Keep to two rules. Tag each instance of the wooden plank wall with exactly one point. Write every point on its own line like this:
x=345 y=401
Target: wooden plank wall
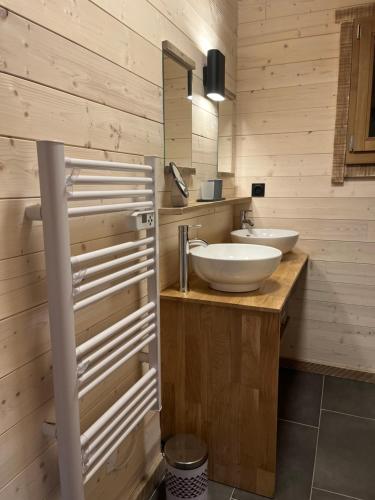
x=227 y=133
x=88 y=73
x=286 y=86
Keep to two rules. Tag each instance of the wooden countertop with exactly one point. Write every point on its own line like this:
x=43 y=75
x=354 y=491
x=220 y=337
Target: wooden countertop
x=203 y=204
x=271 y=297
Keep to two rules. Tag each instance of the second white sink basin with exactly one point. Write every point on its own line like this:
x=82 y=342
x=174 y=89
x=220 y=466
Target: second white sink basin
x=232 y=267
x=283 y=239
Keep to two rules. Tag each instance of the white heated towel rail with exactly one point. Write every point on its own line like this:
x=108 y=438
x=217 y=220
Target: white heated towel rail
x=76 y=282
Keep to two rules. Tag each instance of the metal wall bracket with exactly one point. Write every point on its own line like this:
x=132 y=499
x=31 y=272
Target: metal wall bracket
x=49 y=429
x=144 y=357
x=34 y=212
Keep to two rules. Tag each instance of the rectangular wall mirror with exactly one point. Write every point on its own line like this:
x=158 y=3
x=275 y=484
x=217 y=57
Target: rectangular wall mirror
x=226 y=134
x=177 y=91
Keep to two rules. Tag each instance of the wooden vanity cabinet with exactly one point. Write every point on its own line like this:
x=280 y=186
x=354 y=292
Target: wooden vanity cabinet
x=219 y=367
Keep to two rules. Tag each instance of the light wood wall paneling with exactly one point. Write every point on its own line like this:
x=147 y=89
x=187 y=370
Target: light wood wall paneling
x=335 y=344
x=251 y=10
x=146 y=20
x=94 y=404
x=287 y=27
x=287 y=51
x=319 y=164
x=276 y=122
x=293 y=143
x=135 y=461
x=280 y=8
x=337 y=251
x=332 y=312
x=31 y=390
x=291 y=98
x=30 y=111
x=330 y=229
x=25 y=389
x=340 y=293
x=198 y=96
x=287 y=59
x=204 y=150
x=177 y=113
x=23 y=442
x=341 y=272
x=204 y=171
x=29 y=51
x=205 y=124
x=88 y=73
x=189 y=21
x=315 y=208
x=219 y=13
x=37 y=480
x=87 y=25
x=22 y=284
x=19 y=166
x=23 y=338
x=333 y=371
x=214 y=227
x=27 y=237
x=156 y=22
x=306 y=186
x=288 y=75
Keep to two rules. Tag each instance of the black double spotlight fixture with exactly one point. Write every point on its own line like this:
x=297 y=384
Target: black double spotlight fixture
x=214 y=76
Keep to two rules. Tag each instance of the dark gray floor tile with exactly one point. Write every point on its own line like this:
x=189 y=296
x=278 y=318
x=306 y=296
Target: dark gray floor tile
x=325 y=495
x=245 y=495
x=296 y=453
x=349 y=396
x=346 y=456
x=300 y=396
x=217 y=491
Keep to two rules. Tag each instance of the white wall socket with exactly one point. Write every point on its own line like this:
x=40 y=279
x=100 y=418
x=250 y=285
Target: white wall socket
x=142 y=220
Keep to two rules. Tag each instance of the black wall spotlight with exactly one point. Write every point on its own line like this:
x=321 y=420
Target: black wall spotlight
x=190 y=84
x=214 y=75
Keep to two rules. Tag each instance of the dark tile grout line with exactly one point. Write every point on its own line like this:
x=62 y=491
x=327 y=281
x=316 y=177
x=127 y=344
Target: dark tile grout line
x=317 y=437
x=338 y=494
x=347 y=414
x=297 y=423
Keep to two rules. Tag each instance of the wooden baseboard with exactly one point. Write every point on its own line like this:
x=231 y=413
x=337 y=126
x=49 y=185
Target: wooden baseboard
x=333 y=371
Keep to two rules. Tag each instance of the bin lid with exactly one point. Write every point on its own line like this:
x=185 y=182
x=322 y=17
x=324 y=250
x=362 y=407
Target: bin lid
x=185 y=451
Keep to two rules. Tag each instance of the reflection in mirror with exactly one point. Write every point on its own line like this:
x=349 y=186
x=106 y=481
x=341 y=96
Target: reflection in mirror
x=371 y=132
x=179 y=192
x=226 y=136
x=177 y=113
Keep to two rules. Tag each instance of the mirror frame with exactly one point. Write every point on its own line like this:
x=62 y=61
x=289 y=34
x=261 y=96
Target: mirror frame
x=177 y=55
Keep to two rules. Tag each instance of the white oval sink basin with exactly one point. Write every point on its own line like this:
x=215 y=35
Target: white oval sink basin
x=283 y=239
x=232 y=267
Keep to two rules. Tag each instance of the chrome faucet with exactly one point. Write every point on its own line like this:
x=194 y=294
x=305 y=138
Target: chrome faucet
x=184 y=249
x=245 y=221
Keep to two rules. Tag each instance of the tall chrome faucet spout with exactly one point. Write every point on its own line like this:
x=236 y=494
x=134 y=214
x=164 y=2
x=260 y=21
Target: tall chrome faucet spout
x=196 y=242
x=245 y=221
x=184 y=246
